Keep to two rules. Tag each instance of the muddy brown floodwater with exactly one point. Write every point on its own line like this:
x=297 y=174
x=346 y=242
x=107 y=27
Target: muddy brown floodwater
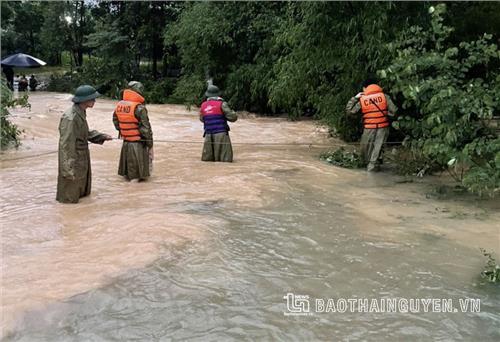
x=207 y=251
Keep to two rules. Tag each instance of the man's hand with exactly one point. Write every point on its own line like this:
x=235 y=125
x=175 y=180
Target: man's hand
x=106 y=137
x=69 y=177
x=358 y=95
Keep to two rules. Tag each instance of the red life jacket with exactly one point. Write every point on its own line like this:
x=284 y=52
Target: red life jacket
x=125 y=112
x=374 y=107
x=214 y=119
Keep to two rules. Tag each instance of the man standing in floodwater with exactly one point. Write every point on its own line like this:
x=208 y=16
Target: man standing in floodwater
x=215 y=113
x=131 y=120
x=22 y=85
x=33 y=83
x=75 y=176
x=376 y=108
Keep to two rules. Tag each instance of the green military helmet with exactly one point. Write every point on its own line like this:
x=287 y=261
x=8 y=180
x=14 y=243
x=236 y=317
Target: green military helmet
x=136 y=86
x=212 y=91
x=85 y=93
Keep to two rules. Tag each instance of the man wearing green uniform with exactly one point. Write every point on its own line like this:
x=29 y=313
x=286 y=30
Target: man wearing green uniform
x=376 y=108
x=75 y=176
x=131 y=120
x=215 y=113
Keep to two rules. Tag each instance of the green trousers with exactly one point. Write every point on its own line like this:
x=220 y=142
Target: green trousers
x=134 y=161
x=217 y=147
x=372 y=141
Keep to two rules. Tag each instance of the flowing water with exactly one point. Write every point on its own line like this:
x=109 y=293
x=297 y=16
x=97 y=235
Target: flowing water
x=207 y=251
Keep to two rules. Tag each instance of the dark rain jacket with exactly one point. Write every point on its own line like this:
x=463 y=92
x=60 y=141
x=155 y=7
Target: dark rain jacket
x=75 y=177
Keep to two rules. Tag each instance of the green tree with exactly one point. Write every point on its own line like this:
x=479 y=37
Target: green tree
x=328 y=49
x=113 y=64
x=449 y=94
x=21 y=24
x=55 y=32
x=9 y=133
x=286 y=57
x=230 y=43
x=80 y=24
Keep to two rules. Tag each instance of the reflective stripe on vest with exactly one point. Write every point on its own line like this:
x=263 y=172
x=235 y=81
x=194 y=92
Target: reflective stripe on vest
x=214 y=120
x=125 y=112
x=374 y=107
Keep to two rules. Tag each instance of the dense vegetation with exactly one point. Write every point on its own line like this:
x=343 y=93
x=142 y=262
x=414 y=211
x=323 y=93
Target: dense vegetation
x=298 y=58
x=449 y=93
x=10 y=132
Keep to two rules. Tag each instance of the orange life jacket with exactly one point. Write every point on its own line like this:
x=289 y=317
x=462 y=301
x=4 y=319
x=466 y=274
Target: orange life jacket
x=374 y=107
x=125 y=112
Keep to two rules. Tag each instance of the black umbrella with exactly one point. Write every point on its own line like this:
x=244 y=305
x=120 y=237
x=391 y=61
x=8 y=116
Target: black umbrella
x=22 y=60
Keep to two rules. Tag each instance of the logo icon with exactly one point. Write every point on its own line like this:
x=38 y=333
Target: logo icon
x=296 y=305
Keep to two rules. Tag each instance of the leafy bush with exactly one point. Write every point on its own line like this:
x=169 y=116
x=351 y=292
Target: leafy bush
x=233 y=46
x=9 y=132
x=449 y=94
x=190 y=90
x=61 y=83
x=491 y=270
x=412 y=162
x=108 y=82
x=96 y=72
x=108 y=78
x=247 y=87
x=343 y=158
x=159 y=91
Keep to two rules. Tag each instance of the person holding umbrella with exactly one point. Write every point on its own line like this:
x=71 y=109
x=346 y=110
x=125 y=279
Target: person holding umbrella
x=9 y=75
x=18 y=60
x=75 y=177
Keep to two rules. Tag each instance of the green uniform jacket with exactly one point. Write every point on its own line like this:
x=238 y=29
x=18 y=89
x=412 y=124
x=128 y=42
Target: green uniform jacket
x=75 y=178
x=217 y=147
x=134 y=157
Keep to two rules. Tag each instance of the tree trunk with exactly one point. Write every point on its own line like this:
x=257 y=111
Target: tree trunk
x=75 y=58
x=32 y=42
x=80 y=56
x=165 y=66
x=155 y=57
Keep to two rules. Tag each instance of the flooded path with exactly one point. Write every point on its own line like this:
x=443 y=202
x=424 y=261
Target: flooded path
x=207 y=251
